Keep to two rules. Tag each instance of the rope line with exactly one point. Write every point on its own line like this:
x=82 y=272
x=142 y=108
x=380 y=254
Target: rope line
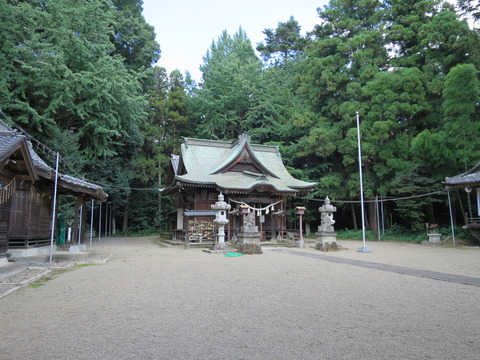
x=254 y=208
x=381 y=199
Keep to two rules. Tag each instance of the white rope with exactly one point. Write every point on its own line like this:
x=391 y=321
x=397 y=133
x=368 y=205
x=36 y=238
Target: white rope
x=382 y=200
x=254 y=208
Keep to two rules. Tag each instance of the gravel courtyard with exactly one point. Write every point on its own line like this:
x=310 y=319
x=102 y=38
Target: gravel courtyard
x=153 y=302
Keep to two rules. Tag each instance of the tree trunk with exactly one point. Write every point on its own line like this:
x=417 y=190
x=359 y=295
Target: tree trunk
x=372 y=216
x=82 y=225
x=430 y=214
x=159 y=194
x=114 y=226
x=354 y=218
x=308 y=231
x=125 y=215
x=464 y=213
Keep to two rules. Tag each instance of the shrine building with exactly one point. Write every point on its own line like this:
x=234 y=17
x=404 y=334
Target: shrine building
x=469 y=181
x=252 y=177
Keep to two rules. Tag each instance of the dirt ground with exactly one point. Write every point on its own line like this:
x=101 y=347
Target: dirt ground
x=154 y=302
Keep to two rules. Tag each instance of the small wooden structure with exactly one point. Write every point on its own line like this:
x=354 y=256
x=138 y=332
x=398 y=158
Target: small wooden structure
x=26 y=193
x=246 y=173
x=470 y=183
x=16 y=168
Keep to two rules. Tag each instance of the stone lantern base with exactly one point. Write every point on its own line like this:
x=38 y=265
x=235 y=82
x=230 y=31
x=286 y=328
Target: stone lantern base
x=248 y=241
x=434 y=238
x=326 y=241
x=220 y=249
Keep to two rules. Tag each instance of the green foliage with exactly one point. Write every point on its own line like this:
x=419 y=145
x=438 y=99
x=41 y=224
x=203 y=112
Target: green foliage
x=78 y=76
x=282 y=44
x=133 y=38
x=230 y=74
x=73 y=74
x=460 y=108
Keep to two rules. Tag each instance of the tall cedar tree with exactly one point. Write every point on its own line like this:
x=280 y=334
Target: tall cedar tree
x=230 y=76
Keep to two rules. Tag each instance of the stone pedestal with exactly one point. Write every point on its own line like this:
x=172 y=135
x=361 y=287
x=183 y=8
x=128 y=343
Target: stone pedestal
x=77 y=248
x=326 y=235
x=300 y=243
x=326 y=241
x=434 y=238
x=248 y=240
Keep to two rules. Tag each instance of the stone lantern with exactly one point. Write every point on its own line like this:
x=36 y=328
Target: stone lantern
x=248 y=240
x=326 y=235
x=221 y=208
x=300 y=242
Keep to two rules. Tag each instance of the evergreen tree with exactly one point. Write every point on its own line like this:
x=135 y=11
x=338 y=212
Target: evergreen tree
x=133 y=38
x=282 y=44
x=230 y=76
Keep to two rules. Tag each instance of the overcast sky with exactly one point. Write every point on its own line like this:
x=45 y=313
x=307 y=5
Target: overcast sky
x=185 y=29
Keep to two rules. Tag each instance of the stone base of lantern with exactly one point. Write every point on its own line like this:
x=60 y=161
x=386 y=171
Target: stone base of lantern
x=220 y=249
x=248 y=241
x=435 y=238
x=326 y=241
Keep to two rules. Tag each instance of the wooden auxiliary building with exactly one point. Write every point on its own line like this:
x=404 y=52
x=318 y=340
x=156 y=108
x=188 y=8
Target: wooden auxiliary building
x=470 y=182
x=26 y=194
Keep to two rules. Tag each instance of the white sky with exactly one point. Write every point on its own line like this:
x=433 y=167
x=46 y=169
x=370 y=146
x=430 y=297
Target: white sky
x=185 y=29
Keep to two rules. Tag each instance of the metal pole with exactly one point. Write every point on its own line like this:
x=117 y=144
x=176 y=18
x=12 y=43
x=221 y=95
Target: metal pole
x=383 y=215
x=54 y=208
x=363 y=249
x=451 y=216
x=91 y=222
x=99 y=221
x=378 y=216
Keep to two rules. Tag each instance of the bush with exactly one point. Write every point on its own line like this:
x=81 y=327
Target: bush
x=395 y=233
x=399 y=233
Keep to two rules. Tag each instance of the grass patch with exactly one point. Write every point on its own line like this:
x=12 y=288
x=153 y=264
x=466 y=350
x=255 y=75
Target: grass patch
x=394 y=234
x=54 y=273
x=40 y=282
x=78 y=266
x=43 y=280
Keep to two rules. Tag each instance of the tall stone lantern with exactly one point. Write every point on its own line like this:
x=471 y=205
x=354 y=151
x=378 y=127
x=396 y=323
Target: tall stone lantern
x=221 y=208
x=326 y=235
x=300 y=242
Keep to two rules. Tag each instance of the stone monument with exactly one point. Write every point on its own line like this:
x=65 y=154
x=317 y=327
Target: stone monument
x=433 y=235
x=221 y=208
x=248 y=240
x=326 y=235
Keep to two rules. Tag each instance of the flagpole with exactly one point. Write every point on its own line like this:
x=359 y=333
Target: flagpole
x=363 y=249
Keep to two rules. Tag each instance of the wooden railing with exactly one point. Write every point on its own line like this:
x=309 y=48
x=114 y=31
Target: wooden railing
x=473 y=222
x=179 y=235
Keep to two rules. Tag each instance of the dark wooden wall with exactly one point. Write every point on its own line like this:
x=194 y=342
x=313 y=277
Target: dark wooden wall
x=30 y=218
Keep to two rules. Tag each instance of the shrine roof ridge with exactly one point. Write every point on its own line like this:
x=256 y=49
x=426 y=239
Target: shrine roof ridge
x=228 y=144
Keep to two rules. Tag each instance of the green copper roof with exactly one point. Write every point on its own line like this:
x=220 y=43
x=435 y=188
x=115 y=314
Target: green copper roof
x=206 y=162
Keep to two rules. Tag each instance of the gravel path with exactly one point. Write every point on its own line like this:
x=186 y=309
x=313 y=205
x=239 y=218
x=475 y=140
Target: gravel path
x=151 y=302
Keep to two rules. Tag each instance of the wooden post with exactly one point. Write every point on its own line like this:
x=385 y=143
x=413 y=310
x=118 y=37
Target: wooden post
x=272 y=222
x=82 y=222
x=75 y=224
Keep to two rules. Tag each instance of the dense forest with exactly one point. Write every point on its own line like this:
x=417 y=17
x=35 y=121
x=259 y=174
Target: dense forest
x=80 y=78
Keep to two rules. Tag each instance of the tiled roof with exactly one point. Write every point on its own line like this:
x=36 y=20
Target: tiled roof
x=8 y=141
x=469 y=178
x=205 y=161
